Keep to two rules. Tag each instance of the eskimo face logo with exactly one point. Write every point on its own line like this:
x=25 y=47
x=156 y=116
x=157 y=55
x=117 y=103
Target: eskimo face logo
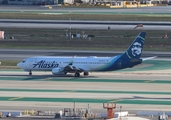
x=136 y=49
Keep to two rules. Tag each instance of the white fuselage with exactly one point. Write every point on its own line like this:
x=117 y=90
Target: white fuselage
x=48 y=63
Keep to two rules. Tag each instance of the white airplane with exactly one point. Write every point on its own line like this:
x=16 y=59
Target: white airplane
x=77 y=65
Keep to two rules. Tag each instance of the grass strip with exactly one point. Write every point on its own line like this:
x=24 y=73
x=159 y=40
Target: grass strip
x=59 y=79
x=103 y=16
x=84 y=91
x=82 y=100
x=32 y=38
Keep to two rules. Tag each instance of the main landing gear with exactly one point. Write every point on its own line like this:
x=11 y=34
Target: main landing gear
x=30 y=73
x=77 y=74
x=86 y=73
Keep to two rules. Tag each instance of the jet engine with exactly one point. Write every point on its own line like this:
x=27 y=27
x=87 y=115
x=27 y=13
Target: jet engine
x=57 y=71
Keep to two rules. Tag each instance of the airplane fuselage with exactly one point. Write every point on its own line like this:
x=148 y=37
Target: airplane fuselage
x=45 y=63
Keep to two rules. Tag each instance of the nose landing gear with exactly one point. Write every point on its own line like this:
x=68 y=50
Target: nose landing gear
x=30 y=73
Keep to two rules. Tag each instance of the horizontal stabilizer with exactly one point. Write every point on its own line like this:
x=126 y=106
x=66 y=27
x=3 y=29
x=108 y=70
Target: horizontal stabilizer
x=148 y=58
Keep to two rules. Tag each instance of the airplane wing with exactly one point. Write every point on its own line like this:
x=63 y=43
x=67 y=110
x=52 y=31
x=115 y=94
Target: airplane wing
x=72 y=68
x=144 y=59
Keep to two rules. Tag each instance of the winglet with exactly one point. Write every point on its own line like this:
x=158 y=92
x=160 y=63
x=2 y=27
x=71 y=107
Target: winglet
x=71 y=61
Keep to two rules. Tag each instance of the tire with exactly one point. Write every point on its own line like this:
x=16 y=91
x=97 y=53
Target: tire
x=77 y=74
x=86 y=73
x=30 y=73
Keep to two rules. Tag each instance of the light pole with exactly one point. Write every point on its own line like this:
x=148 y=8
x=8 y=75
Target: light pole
x=120 y=112
x=70 y=28
x=83 y=34
x=66 y=34
x=74 y=108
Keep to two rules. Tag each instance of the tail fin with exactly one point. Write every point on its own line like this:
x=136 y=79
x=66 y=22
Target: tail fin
x=135 y=49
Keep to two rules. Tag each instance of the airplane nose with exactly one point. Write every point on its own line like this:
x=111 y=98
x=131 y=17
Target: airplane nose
x=19 y=65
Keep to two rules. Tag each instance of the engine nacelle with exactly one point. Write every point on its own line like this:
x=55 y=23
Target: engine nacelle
x=57 y=71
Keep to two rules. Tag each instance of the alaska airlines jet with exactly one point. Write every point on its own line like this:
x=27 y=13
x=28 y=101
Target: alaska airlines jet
x=77 y=65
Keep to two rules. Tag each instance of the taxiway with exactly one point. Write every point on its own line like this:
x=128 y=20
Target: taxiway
x=146 y=87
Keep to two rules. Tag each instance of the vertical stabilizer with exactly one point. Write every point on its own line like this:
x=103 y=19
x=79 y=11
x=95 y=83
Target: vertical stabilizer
x=135 y=49
x=129 y=58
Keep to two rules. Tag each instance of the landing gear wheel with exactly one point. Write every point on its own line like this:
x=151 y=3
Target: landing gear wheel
x=86 y=73
x=65 y=73
x=77 y=74
x=30 y=73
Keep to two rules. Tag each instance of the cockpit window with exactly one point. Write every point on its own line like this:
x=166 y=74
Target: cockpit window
x=24 y=60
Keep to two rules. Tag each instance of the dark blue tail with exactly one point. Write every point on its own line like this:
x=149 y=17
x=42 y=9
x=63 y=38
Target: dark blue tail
x=132 y=55
x=135 y=49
